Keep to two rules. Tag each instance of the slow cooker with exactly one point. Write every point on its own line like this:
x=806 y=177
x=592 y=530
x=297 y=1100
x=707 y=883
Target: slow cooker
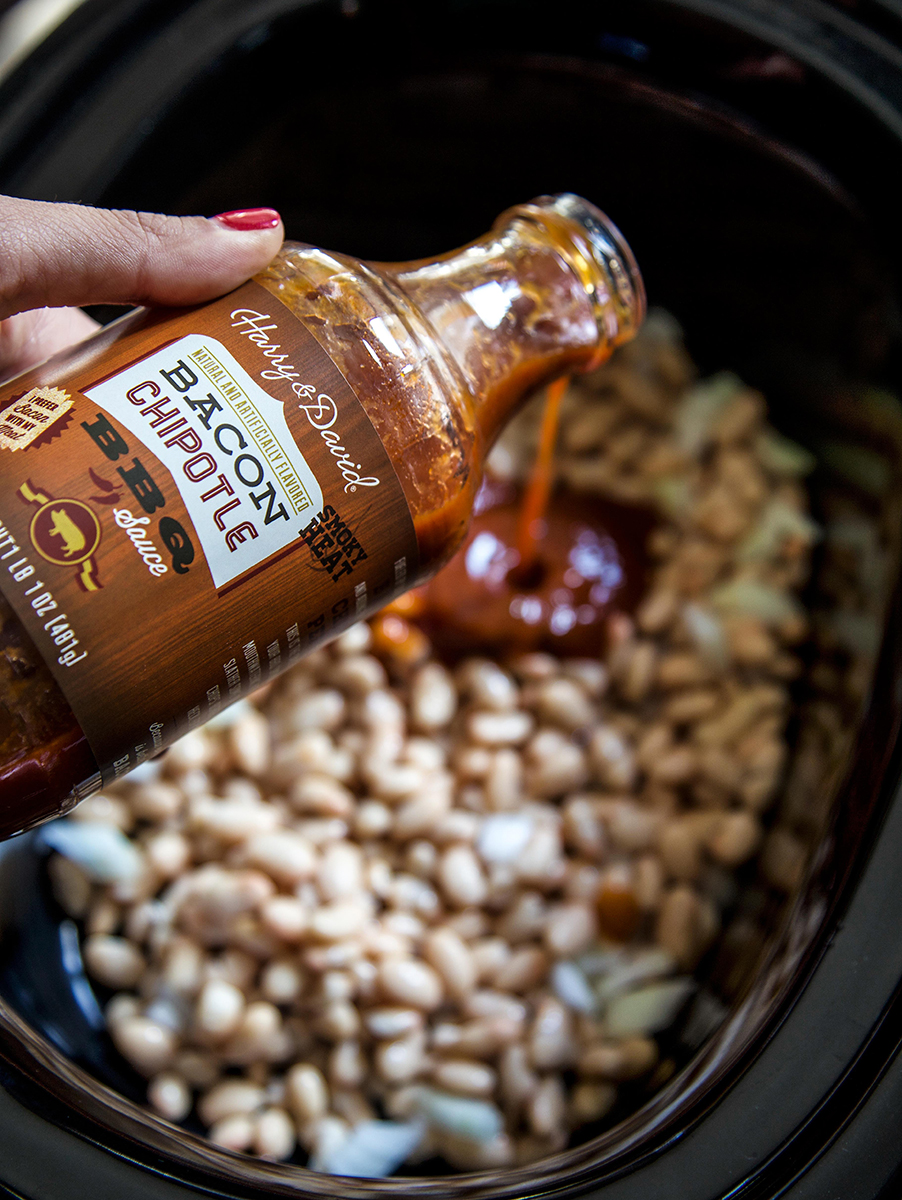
x=750 y=149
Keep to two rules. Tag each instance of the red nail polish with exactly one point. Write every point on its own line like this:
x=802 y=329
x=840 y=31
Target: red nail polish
x=245 y=219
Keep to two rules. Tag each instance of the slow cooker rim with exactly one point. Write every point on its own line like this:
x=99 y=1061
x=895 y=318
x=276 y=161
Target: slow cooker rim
x=138 y=4
x=89 y=44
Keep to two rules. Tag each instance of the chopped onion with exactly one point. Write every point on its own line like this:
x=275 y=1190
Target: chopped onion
x=700 y=408
x=572 y=988
x=598 y=962
x=647 y=1010
x=503 y=836
x=650 y=964
x=372 y=1150
x=782 y=456
x=168 y=1010
x=230 y=716
x=777 y=522
x=102 y=851
x=755 y=599
x=673 y=494
x=706 y=1014
x=476 y=1119
x=707 y=633
x=660 y=326
x=146 y=772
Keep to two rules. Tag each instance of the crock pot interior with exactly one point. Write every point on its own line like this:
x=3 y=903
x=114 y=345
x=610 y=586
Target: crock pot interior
x=374 y=133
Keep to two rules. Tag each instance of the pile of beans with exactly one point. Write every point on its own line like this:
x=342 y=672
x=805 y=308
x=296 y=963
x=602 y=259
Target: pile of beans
x=446 y=911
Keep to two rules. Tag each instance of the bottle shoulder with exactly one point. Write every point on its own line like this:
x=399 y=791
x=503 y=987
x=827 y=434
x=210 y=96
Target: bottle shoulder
x=400 y=373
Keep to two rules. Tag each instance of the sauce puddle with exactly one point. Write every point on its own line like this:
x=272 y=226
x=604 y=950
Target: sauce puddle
x=540 y=569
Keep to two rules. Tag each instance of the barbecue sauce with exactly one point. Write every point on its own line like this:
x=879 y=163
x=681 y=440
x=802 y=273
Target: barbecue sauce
x=438 y=353
x=539 y=570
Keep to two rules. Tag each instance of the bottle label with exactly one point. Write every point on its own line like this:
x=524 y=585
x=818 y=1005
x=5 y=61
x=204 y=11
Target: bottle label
x=188 y=505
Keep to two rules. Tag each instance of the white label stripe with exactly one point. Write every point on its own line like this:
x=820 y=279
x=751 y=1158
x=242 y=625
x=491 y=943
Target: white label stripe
x=226 y=444
x=253 y=433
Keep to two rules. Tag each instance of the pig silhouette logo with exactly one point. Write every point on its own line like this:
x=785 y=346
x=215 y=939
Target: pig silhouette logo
x=63 y=527
x=65 y=532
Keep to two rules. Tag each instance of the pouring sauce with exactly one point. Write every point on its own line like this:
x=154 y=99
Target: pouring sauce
x=539 y=569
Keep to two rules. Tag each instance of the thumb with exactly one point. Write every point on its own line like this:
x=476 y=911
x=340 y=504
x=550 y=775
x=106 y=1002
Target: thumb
x=53 y=255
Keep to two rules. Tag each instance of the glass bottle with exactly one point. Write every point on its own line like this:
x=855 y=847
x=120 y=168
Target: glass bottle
x=439 y=354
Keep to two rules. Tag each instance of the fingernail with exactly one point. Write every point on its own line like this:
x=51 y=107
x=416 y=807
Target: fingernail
x=245 y=219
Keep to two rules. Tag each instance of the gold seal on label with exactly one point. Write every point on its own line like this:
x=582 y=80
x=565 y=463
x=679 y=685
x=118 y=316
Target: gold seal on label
x=31 y=416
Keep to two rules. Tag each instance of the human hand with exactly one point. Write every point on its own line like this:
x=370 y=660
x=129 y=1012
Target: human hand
x=55 y=257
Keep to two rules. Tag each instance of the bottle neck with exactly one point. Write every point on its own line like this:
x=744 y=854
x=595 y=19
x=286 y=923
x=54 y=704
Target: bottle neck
x=552 y=289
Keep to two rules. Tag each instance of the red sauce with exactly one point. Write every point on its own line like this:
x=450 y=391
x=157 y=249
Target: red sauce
x=589 y=565
x=39 y=738
x=541 y=481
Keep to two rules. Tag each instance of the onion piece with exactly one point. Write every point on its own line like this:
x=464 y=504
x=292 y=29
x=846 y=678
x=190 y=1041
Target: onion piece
x=649 y=1009
x=777 y=523
x=755 y=599
x=701 y=407
x=372 y=1150
x=474 y=1119
x=503 y=836
x=784 y=457
x=102 y=851
x=640 y=968
x=707 y=633
x=572 y=988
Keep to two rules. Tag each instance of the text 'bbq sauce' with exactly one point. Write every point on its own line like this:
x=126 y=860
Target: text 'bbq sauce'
x=193 y=499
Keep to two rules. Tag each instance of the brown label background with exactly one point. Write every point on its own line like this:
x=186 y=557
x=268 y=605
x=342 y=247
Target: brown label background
x=164 y=653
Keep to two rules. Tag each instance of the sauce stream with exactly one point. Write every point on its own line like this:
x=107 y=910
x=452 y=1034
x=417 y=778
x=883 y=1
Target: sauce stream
x=539 y=570
x=538 y=490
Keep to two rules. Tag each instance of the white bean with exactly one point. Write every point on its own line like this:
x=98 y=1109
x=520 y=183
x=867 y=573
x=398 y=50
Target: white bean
x=517 y=1078
x=451 y=957
x=570 y=929
x=283 y=855
x=275 y=1136
x=547 y=1107
x=347 y=1066
x=170 y=1095
x=465 y=1076
x=401 y=1060
x=487 y=684
x=461 y=877
x=551 y=1041
x=149 y=1047
x=334 y=922
x=407 y=982
x=524 y=970
x=220 y=1007
x=340 y=871
x=388 y=1024
x=564 y=703
x=169 y=853
x=113 y=961
x=281 y=981
x=433 y=699
x=233 y=1133
x=419 y=815
x=228 y=1098
x=306 y=1092
x=249 y=742
x=285 y=917
x=500 y=728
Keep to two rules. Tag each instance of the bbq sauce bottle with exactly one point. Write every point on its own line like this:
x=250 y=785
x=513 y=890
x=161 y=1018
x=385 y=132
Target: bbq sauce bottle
x=193 y=498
